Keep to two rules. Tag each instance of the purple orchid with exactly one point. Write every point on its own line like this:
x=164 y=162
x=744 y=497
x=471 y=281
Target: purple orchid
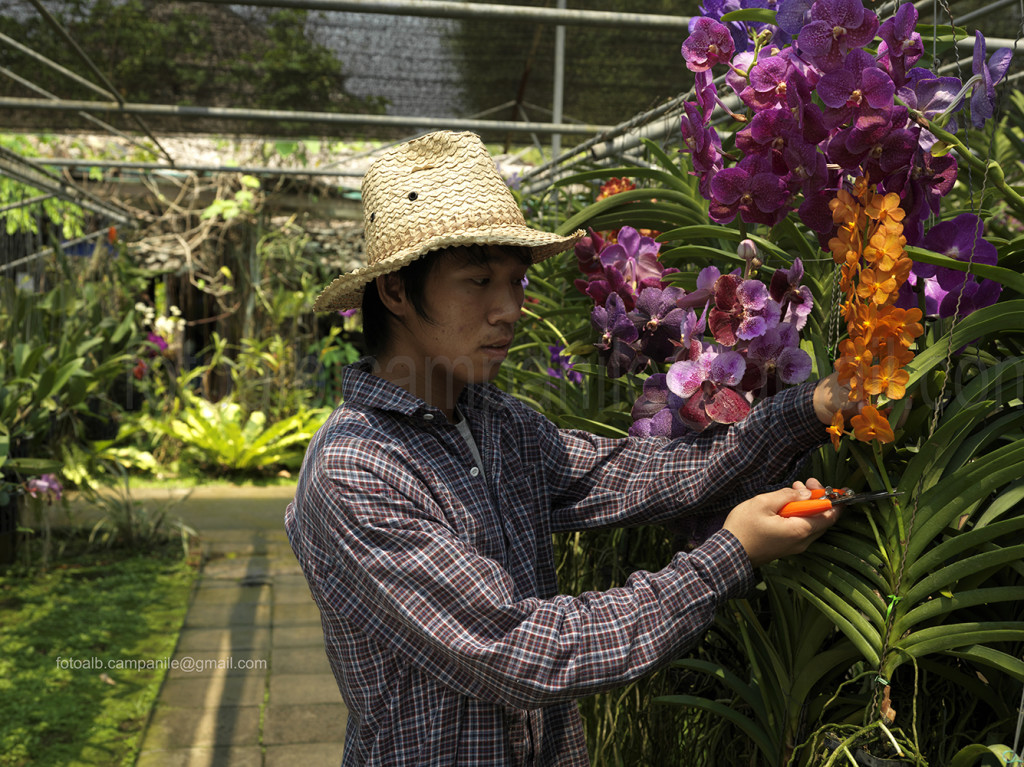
x=627 y=267
x=739 y=30
x=806 y=165
x=588 y=253
x=46 y=486
x=861 y=91
x=710 y=43
x=922 y=187
x=933 y=97
x=767 y=87
x=901 y=46
x=962 y=239
x=792 y=15
x=751 y=190
x=655 y=412
x=706 y=386
x=836 y=27
x=700 y=140
x=775 y=358
x=158 y=342
x=880 y=152
x=795 y=300
x=816 y=214
x=984 y=96
x=705 y=93
x=618 y=336
x=561 y=365
x=742 y=311
x=658 y=317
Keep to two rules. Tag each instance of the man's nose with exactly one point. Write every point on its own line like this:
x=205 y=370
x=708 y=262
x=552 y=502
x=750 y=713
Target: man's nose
x=508 y=306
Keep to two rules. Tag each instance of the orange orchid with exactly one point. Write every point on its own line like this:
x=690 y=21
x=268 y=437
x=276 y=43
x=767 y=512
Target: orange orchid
x=870 y=248
x=869 y=424
x=905 y=325
x=855 y=360
x=835 y=431
x=876 y=286
x=846 y=209
x=888 y=379
x=882 y=208
x=845 y=246
x=884 y=250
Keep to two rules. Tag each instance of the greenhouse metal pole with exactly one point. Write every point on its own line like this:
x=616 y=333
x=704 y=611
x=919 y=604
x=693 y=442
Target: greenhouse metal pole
x=985 y=10
x=155 y=167
x=277 y=115
x=27 y=172
x=558 y=91
x=456 y=10
x=26 y=202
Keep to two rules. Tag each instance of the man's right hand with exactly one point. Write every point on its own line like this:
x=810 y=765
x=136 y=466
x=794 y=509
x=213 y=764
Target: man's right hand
x=765 y=535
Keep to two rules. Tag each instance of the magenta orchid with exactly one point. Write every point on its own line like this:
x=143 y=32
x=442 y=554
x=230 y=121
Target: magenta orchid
x=708 y=387
x=709 y=44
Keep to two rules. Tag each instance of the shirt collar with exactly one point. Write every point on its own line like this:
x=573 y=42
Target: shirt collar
x=361 y=387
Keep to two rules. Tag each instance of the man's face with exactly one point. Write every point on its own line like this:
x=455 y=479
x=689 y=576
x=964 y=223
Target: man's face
x=473 y=308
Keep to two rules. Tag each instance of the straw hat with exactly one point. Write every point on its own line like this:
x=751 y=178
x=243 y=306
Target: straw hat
x=436 y=191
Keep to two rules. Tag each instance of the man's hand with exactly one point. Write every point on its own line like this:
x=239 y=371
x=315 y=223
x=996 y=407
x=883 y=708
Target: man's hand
x=830 y=397
x=765 y=535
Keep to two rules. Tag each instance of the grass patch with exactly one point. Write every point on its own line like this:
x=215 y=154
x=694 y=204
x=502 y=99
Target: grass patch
x=89 y=610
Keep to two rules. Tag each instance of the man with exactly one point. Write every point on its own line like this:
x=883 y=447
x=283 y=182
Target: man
x=426 y=504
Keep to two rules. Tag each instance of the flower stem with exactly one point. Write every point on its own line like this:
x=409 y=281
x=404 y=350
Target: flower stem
x=993 y=169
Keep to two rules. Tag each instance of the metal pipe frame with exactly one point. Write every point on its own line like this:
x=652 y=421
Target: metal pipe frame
x=462 y=10
x=276 y=115
x=159 y=168
x=26 y=202
x=29 y=173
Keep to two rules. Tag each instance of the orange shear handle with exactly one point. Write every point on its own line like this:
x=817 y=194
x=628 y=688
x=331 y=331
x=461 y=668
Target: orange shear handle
x=816 y=504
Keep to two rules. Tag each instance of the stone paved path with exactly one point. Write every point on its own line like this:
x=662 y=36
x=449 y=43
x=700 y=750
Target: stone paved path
x=265 y=695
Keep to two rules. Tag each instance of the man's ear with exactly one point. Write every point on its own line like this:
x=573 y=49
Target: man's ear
x=392 y=293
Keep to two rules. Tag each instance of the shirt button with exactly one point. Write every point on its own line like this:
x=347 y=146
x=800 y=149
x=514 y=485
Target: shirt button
x=428 y=417
x=474 y=471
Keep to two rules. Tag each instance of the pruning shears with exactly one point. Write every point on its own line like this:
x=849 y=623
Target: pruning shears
x=824 y=498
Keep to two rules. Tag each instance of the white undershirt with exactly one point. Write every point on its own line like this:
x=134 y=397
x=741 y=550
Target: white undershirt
x=463 y=426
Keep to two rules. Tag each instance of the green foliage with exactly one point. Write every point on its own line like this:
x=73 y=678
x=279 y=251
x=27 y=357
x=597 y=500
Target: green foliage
x=62 y=354
x=26 y=218
x=224 y=437
x=127 y=606
x=913 y=608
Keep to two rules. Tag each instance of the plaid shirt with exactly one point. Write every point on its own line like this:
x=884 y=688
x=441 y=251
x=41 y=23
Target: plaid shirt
x=436 y=582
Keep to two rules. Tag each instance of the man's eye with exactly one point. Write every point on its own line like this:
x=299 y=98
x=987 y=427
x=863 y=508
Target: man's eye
x=481 y=281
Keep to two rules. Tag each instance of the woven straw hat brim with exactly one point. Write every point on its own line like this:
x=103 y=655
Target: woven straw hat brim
x=346 y=292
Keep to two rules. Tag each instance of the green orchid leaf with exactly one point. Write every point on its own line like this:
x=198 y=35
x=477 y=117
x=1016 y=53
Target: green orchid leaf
x=760 y=15
x=762 y=739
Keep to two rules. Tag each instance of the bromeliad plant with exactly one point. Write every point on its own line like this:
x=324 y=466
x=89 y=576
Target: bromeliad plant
x=900 y=633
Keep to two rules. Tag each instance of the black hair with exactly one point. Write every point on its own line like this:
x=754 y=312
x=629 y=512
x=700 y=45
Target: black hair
x=413 y=277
